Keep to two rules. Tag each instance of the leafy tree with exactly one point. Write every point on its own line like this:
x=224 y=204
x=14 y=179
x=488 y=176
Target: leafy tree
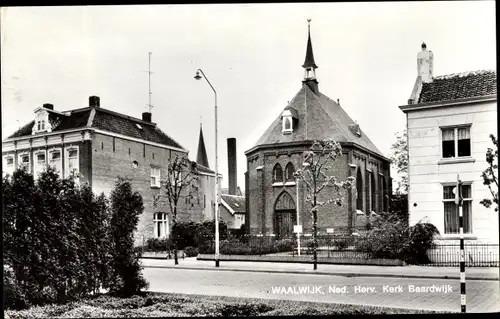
x=315 y=174
x=489 y=177
x=399 y=158
x=93 y=241
x=181 y=181
x=19 y=197
x=126 y=206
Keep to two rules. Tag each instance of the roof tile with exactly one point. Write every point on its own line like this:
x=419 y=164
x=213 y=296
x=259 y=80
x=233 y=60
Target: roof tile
x=459 y=86
x=319 y=118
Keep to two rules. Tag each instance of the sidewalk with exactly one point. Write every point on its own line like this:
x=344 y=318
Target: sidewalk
x=477 y=273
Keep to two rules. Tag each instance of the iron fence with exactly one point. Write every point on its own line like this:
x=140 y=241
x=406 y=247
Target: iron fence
x=359 y=247
x=477 y=254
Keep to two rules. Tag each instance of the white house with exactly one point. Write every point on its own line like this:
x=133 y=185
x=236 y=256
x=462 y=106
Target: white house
x=449 y=120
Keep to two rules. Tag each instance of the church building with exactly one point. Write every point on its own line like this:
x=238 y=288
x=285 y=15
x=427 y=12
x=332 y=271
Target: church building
x=272 y=199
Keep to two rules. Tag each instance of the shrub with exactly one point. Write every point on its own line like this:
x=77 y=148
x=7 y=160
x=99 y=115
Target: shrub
x=191 y=251
x=185 y=234
x=13 y=295
x=343 y=243
x=284 y=245
x=126 y=207
x=158 y=244
x=50 y=226
x=421 y=238
x=387 y=236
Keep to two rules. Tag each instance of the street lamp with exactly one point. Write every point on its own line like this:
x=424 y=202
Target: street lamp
x=216 y=217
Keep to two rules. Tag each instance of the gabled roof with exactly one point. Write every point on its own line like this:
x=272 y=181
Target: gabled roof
x=459 y=85
x=235 y=204
x=319 y=118
x=77 y=119
x=105 y=120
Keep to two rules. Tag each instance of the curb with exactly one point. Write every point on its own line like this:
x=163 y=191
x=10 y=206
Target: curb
x=312 y=272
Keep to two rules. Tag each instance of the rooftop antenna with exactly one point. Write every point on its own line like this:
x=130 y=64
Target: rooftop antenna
x=149 y=73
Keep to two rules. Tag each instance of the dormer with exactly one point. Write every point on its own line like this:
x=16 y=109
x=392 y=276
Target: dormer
x=289 y=120
x=355 y=129
x=42 y=123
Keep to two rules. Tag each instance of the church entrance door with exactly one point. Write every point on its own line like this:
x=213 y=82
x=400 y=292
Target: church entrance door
x=285 y=216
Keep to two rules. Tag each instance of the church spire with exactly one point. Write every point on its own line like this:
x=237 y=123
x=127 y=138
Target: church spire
x=309 y=64
x=202 y=157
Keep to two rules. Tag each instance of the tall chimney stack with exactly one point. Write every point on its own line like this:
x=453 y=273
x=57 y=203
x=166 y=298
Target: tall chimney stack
x=231 y=164
x=425 y=61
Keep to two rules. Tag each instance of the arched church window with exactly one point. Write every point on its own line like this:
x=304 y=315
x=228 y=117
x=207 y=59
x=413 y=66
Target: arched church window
x=288 y=123
x=373 y=193
x=277 y=174
x=289 y=170
x=384 y=193
x=359 y=191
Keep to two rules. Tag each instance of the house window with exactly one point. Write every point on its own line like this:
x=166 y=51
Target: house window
x=456 y=142
x=277 y=174
x=160 y=225
x=287 y=122
x=451 y=225
x=289 y=170
x=155 y=177
x=359 y=191
x=8 y=167
x=42 y=122
x=24 y=162
x=72 y=165
x=39 y=164
x=41 y=125
x=55 y=160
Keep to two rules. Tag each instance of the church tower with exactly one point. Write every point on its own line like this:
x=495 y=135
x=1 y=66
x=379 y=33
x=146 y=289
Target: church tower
x=309 y=64
x=202 y=157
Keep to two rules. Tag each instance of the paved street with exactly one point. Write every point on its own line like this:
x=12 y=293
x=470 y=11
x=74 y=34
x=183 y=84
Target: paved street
x=486 y=273
x=482 y=296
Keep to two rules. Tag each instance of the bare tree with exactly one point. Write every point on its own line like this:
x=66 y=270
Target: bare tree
x=488 y=175
x=181 y=181
x=315 y=174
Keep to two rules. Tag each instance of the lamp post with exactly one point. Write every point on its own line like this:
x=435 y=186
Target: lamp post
x=216 y=217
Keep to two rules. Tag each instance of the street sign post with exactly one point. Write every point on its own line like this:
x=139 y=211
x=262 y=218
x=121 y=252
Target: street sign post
x=459 y=202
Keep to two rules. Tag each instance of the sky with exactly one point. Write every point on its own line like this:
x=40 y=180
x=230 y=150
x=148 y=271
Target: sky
x=251 y=53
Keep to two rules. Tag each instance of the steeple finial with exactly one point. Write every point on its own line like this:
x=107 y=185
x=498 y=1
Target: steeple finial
x=309 y=62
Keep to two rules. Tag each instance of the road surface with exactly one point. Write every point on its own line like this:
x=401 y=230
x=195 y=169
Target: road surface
x=429 y=294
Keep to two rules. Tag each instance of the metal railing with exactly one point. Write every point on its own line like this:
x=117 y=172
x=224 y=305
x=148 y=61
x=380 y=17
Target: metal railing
x=343 y=246
x=477 y=254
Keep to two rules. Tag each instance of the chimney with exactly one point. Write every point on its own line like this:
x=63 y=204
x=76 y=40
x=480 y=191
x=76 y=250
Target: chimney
x=425 y=60
x=231 y=164
x=94 y=101
x=146 y=117
x=48 y=106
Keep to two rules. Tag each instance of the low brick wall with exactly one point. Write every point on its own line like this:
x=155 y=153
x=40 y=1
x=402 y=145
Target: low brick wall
x=161 y=255
x=304 y=259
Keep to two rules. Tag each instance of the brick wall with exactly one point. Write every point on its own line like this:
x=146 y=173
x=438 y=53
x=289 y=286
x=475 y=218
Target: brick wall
x=113 y=157
x=262 y=195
